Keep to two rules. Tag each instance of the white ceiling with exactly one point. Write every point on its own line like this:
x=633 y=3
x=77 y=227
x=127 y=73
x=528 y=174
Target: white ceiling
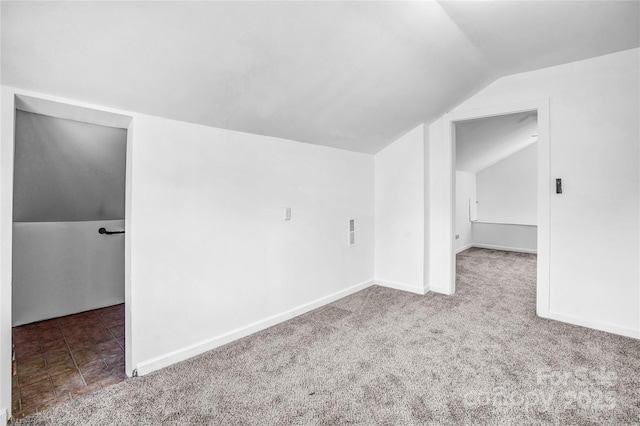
x=482 y=142
x=67 y=170
x=352 y=75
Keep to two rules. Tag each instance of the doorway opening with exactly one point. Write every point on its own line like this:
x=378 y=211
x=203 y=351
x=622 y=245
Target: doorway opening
x=495 y=240
x=69 y=274
x=443 y=257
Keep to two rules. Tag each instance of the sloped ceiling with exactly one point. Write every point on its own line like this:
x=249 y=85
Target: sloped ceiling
x=482 y=142
x=517 y=36
x=352 y=75
x=67 y=170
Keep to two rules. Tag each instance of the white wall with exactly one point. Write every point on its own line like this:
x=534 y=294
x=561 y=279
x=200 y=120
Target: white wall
x=465 y=193
x=438 y=222
x=507 y=191
x=7 y=116
x=67 y=170
x=69 y=180
x=399 y=213
x=211 y=250
x=594 y=148
x=501 y=236
x=212 y=258
x=61 y=268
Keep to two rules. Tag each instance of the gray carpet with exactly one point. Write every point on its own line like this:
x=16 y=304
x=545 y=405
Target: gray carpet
x=385 y=357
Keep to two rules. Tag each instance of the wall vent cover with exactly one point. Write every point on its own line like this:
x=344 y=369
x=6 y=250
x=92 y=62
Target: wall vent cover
x=352 y=232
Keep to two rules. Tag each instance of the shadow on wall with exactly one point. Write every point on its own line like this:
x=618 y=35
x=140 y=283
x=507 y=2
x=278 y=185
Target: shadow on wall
x=69 y=182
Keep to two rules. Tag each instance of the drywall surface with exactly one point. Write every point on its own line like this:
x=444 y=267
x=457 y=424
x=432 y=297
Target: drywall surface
x=465 y=194
x=508 y=190
x=67 y=170
x=211 y=254
x=7 y=115
x=399 y=212
x=500 y=236
x=594 y=148
x=439 y=246
x=69 y=180
x=61 y=268
x=482 y=142
x=211 y=251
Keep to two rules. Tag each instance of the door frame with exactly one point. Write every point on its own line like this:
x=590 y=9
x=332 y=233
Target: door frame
x=12 y=99
x=545 y=186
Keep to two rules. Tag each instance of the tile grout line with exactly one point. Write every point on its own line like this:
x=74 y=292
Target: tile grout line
x=15 y=373
x=109 y=330
x=14 y=370
x=18 y=375
x=46 y=364
x=46 y=368
x=73 y=358
x=46 y=360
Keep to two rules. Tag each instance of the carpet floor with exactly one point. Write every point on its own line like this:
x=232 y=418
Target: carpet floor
x=382 y=356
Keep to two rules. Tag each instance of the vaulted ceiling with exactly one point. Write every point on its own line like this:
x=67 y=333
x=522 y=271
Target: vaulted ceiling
x=352 y=75
x=482 y=142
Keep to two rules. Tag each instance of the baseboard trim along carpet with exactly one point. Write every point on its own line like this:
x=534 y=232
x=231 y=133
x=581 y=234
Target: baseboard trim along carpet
x=596 y=325
x=401 y=286
x=441 y=289
x=384 y=356
x=504 y=248
x=463 y=248
x=146 y=367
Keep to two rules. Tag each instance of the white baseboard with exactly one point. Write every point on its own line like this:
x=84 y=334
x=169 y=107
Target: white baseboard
x=190 y=351
x=440 y=289
x=596 y=325
x=504 y=248
x=401 y=286
x=463 y=248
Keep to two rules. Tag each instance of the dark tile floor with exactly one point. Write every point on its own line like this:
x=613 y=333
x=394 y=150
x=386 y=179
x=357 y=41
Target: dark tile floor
x=63 y=358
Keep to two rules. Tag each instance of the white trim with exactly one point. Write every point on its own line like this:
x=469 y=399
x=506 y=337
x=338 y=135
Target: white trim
x=13 y=98
x=3 y=417
x=190 y=351
x=463 y=248
x=401 y=286
x=450 y=204
x=442 y=289
x=502 y=223
x=69 y=111
x=504 y=248
x=7 y=121
x=129 y=303
x=544 y=189
x=426 y=210
x=597 y=325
